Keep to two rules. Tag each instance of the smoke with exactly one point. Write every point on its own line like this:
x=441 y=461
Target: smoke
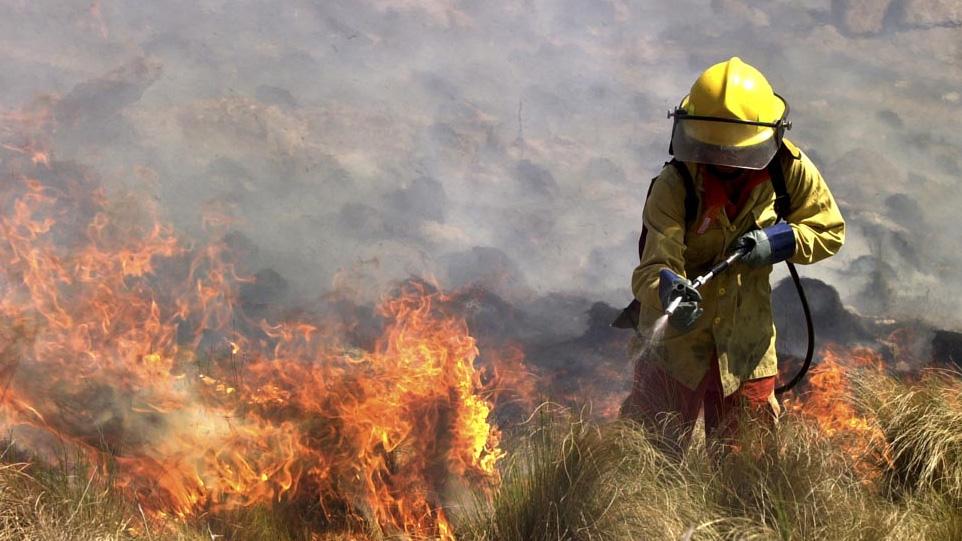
x=507 y=144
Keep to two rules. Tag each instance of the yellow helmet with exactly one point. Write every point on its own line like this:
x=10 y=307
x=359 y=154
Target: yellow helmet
x=730 y=117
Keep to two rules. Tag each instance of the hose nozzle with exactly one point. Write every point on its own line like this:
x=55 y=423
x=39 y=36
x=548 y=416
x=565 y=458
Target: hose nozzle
x=673 y=306
x=679 y=288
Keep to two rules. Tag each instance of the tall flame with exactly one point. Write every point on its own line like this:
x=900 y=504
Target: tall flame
x=121 y=340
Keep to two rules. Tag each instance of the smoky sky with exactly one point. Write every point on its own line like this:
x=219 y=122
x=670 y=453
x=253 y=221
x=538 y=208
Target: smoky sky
x=508 y=144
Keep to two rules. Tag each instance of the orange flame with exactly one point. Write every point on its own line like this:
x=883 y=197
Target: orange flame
x=122 y=341
x=826 y=403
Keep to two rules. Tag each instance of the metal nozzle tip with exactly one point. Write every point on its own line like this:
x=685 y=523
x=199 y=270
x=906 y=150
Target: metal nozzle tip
x=673 y=306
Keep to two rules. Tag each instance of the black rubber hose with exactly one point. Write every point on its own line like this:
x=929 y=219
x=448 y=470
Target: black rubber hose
x=811 y=332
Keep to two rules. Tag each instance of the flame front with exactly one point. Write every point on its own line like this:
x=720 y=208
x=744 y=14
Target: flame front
x=121 y=340
x=827 y=401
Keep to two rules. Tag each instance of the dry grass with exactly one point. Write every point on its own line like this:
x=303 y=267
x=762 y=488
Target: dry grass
x=70 y=501
x=573 y=480
x=67 y=502
x=923 y=429
x=578 y=481
x=567 y=478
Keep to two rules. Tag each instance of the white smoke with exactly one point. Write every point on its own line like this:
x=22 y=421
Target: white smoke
x=504 y=142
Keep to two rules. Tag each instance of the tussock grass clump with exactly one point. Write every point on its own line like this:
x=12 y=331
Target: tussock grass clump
x=571 y=479
x=922 y=424
x=928 y=517
x=792 y=483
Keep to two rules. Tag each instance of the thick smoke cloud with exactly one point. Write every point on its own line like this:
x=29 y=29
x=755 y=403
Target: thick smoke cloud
x=502 y=143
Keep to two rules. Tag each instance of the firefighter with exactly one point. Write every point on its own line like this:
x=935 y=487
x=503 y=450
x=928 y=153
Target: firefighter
x=718 y=352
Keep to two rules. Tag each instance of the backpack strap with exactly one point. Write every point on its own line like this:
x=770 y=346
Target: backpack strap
x=691 y=196
x=776 y=171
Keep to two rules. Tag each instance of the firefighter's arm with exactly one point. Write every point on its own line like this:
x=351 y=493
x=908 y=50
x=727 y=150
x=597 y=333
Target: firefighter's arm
x=814 y=218
x=664 y=218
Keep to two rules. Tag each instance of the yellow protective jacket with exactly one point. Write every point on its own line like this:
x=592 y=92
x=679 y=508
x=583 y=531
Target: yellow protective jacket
x=737 y=320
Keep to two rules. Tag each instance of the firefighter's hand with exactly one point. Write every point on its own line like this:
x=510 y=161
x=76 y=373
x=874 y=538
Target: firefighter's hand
x=766 y=246
x=672 y=287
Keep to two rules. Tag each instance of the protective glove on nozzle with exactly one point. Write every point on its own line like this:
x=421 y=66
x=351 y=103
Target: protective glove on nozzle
x=671 y=286
x=766 y=246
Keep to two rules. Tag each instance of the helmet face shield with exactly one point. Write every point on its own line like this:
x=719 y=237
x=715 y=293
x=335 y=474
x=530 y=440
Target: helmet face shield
x=731 y=142
x=689 y=149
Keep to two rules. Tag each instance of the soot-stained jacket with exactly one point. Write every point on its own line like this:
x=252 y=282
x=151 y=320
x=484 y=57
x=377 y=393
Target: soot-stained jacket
x=737 y=320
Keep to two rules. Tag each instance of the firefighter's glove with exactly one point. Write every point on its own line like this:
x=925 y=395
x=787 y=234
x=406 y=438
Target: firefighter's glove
x=672 y=286
x=767 y=246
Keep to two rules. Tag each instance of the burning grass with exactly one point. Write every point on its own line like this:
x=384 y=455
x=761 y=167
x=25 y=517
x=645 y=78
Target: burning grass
x=570 y=478
x=122 y=343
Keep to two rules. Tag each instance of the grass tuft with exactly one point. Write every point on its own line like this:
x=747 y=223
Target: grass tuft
x=922 y=423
